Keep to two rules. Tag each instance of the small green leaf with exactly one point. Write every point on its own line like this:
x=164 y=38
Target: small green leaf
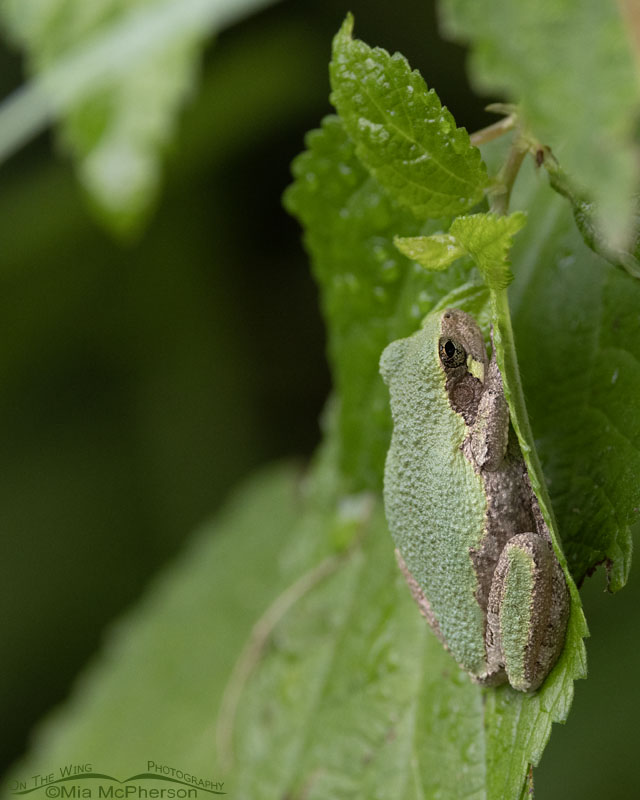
x=404 y=137
x=434 y=252
x=572 y=70
x=485 y=237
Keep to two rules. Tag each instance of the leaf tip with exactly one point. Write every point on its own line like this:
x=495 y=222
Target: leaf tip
x=344 y=34
x=517 y=221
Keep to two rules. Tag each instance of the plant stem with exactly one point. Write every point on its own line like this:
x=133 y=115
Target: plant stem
x=507 y=176
x=508 y=361
x=493 y=131
x=501 y=312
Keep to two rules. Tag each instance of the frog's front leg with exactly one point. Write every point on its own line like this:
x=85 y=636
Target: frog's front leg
x=489 y=435
x=527 y=611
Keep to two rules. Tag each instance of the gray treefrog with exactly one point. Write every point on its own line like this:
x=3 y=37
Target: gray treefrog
x=469 y=534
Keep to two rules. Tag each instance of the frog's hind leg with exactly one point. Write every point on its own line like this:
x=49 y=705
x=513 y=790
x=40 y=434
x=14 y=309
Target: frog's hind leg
x=527 y=611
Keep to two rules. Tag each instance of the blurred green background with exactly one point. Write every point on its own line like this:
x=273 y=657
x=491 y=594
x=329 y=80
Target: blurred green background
x=140 y=382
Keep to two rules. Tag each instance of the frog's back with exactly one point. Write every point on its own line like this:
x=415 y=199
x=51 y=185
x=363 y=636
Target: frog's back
x=434 y=500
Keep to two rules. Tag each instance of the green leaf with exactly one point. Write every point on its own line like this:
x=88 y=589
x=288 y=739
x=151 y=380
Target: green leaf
x=339 y=688
x=434 y=252
x=370 y=293
x=404 y=137
x=115 y=75
x=575 y=321
x=573 y=72
x=485 y=237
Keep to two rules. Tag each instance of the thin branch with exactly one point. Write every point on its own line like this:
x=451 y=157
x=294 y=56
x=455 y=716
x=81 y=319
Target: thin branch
x=493 y=131
x=501 y=194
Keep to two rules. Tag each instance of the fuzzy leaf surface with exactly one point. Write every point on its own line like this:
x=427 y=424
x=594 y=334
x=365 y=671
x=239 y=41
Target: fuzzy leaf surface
x=487 y=238
x=403 y=135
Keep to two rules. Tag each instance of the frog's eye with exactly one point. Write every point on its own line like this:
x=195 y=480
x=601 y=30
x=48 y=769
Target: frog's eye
x=451 y=353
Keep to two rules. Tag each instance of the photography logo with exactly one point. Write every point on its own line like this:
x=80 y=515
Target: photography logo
x=79 y=781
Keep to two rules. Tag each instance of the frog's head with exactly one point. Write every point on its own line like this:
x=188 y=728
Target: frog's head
x=461 y=346
x=450 y=341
